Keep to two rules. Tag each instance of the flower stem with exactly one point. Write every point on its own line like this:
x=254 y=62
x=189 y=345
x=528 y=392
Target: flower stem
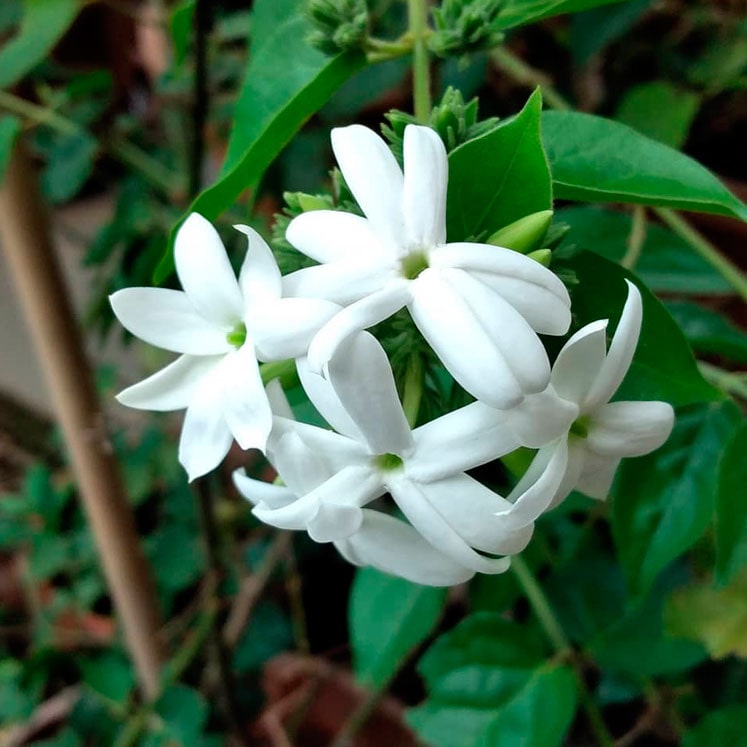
x=421 y=74
x=636 y=239
x=705 y=249
x=554 y=631
x=413 y=393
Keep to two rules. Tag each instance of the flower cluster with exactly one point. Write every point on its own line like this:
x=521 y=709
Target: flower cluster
x=479 y=307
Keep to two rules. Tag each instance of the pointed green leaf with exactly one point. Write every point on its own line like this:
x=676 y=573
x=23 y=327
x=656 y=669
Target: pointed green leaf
x=499 y=177
x=718 y=728
x=9 y=129
x=388 y=617
x=286 y=82
x=521 y=12
x=42 y=26
x=665 y=501
x=597 y=160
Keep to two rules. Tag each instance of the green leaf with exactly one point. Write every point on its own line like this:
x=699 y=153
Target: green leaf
x=109 y=674
x=708 y=332
x=597 y=160
x=663 y=367
x=176 y=556
x=286 y=82
x=718 y=728
x=180 y=25
x=499 y=177
x=389 y=617
x=69 y=165
x=539 y=715
x=472 y=673
x=43 y=24
x=667 y=264
x=521 y=12
x=715 y=617
x=269 y=632
x=659 y=110
x=184 y=712
x=9 y=129
x=665 y=501
x=731 y=507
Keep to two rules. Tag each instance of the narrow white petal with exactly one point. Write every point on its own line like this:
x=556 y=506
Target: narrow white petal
x=206 y=437
x=205 y=272
x=167 y=319
x=541 y=418
x=628 y=429
x=298 y=466
x=362 y=378
x=284 y=328
x=259 y=491
x=579 y=362
x=342 y=282
x=245 y=404
x=278 y=401
x=620 y=354
x=460 y=440
x=356 y=317
x=459 y=338
x=374 y=178
x=171 y=388
x=394 y=547
x=424 y=517
x=597 y=475
x=259 y=278
x=538 y=294
x=478 y=515
x=331 y=235
x=426 y=178
x=577 y=456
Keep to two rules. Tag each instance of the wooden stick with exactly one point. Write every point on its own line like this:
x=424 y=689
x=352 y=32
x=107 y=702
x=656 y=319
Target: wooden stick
x=25 y=237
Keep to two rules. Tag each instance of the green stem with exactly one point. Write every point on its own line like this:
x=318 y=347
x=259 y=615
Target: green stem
x=130 y=155
x=731 y=382
x=413 y=393
x=705 y=249
x=283 y=370
x=554 y=631
x=421 y=73
x=636 y=239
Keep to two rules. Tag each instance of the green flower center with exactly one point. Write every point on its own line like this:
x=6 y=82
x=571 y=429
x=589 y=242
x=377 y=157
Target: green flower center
x=580 y=427
x=388 y=462
x=413 y=264
x=237 y=336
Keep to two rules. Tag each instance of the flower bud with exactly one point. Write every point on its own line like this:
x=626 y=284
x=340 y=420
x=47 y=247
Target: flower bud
x=524 y=235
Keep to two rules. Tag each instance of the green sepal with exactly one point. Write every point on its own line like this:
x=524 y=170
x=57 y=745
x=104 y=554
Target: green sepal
x=524 y=235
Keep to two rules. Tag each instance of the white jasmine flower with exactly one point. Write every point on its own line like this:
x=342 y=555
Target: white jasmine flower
x=330 y=477
x=602 y=432
x=221 y=326
x=477 y=305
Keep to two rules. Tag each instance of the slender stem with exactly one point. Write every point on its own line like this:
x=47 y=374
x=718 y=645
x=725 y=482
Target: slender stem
x=413 y=393
x=554 y=631
x=126 y=152
x=705 y=249
x=421 y=73
x=730 y=381
x=283 y=370
x=359 y=717
x=636 y=239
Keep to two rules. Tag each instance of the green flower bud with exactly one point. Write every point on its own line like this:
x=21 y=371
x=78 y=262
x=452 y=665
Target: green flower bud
x=525 y=234
x=465 y=26
x=543 y=256
x=339 y=25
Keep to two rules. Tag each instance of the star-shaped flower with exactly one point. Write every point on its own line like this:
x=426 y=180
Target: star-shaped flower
x=221 y=326
x=331 y=476
x=479 y=306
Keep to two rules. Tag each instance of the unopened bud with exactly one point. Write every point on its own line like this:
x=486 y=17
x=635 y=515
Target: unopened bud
x=543 y=256
x=525 y=234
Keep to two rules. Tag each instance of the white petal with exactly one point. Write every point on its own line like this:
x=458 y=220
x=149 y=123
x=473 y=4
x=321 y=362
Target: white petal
x=259 y=491
x=579 y=362
x=459 y=336
x=535 y=498
x=394 y=547
x=284 y=328
x=259 y=278
x=331 y=235
x=541 y=418
x=278 y=401
x=577 y=456
x=538 y=294
x=411 y=498
x=597 y=475
x=460 y=440
x=298 y=466
x=205 y=272
x=363 y=380
x=629 y=428
x=478 y=515
x=206 y=437
x=356 y=317
x=620 y=354
x=245 y=405
x=171 y=388
x=167 y=319
x=426 y=178
x=374 y=178
x=341 y=282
